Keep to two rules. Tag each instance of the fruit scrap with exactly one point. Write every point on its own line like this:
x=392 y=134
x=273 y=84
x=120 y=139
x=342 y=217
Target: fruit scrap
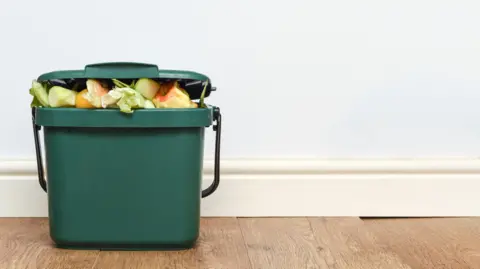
x=81 y=100
x=95 y=92
x=144 y=93
x=171 y=95
x=147 y=87
x=61 y=97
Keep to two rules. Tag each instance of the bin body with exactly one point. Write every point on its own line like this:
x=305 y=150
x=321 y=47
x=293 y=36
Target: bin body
x=119 y=181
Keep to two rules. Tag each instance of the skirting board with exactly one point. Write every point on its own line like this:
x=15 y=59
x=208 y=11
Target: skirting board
x=301 y=187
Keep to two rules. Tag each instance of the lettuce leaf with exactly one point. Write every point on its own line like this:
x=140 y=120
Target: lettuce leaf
x=39 y=93
x=111 y=98
x=129 y=99
x=35 y=102
x=120 y=84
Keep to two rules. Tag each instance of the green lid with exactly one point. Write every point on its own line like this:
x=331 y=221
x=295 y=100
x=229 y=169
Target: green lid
x=193 y=82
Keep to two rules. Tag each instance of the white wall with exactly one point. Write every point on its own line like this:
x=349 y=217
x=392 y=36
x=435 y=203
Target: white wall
x=295 y=78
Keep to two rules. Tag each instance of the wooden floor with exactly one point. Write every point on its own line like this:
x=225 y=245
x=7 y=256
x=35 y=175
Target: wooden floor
x=269 y=243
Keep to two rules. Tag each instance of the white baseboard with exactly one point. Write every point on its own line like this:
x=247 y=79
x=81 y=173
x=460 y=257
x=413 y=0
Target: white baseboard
x=301 y=187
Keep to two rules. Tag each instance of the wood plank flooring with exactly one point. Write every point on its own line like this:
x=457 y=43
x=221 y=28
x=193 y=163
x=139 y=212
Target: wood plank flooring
x=264 y=243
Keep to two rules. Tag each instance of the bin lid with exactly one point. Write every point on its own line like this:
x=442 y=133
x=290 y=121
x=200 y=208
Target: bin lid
x=193 y=81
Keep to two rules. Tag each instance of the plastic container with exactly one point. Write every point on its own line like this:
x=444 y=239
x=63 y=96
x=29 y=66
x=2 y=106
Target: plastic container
x=125 y=181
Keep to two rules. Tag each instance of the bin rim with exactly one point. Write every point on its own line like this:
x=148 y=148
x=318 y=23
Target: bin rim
x=114 y=118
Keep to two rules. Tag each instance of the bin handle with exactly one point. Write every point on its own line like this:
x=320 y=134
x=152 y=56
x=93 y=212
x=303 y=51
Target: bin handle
x=217 y=116
x=38 y=150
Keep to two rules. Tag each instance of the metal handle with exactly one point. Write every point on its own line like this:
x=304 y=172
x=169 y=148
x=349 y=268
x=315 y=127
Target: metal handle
x=36 y=129
x=218 y=129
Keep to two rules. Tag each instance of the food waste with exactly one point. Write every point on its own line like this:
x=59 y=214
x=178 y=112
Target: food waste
x=143 y=93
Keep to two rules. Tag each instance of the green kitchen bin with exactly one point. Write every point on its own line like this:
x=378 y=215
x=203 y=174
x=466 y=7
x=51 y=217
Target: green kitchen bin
x=125 y=181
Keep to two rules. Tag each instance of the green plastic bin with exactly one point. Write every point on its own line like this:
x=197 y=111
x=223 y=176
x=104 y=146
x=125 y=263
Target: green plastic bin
x=125 y=181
